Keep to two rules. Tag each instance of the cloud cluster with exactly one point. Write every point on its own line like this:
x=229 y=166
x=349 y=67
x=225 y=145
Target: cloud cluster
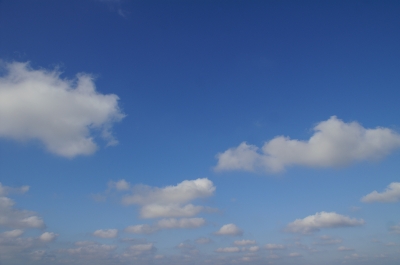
x=167 y=223
x=229 y=230
x=170 y=201
x=320 y=220
x=13 y=217
x=391 y=194
x=39 y=104
x=334 y=143
x=228 y=250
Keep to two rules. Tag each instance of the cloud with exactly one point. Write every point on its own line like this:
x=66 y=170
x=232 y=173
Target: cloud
x=244 y=242
x=139 y=249
x=229 y=230
x=327 y=240
x=13 y=233
x=203 y=240
x=274 y=246
x=47 y=237
x=254 y=248
x=333 y=144
x=228 y=250
x=16 y=218
x=294 y=255
x=180 y=223
x=141 y=229
x=170 y=223
x=61 y=113
x=91 y=248
x=320 y=220
x=107 y=233
x=391 y=194
x=342 y=248
x=119 y=185
x=395 y=229
x=170 y=201
x=5 y=190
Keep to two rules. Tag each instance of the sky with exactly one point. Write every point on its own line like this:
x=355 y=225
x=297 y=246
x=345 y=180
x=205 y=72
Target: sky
x=199 y=132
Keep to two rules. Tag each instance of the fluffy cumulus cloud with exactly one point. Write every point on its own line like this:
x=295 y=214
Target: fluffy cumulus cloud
x=106 y=233
x=61 y=113
x=13 y=217
x=167 y=223
x=334 y=143
x=47 y=237
x=391 y=194
x=229 y=230
x=321 y=220
x=170 y=201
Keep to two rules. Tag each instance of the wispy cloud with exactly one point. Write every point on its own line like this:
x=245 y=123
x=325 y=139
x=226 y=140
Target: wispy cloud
x=334 y=143
x=61 y=113
x=167 y=223
x=391 y=194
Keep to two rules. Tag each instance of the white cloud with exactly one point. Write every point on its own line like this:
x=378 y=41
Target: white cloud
x=294 y=255
x=254 y=248
x=119 y=185
x=91 y=248
x=343 y=248
x=38 y=104
x=13 y=233
x=244 y=242
x=180 y=223
x=229 y=230
x=320 y=220
x=139 y=249
x=48 y=237
x=16 y=218
x=228 y=250
x=141 y=229
x=170 y=201
x=170 y=223
x=391 y=194
x=5 y=190
x=106 y=233
x=334 y=143
x=274 y=246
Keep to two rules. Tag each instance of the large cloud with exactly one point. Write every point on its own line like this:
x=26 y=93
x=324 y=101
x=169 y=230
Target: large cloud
x=391 y=194
x=320 y=220
x=13 y=217
x=334 y=143
x=170 y=201
x=38 y=104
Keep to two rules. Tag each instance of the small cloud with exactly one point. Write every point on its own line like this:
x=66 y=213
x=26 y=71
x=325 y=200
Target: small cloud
x=395 y=229
x=48 y=237
x=320 y=220
x=295 y=255
x=203 y=240
x=228 y=250
x=274 y=246
x=119 y=185
x=342 y=248
x=169 y=223
x=391 y=194
x=106 y=233
x=229 y=230
x=244 y=242
x=13 y=233
x=170 y=201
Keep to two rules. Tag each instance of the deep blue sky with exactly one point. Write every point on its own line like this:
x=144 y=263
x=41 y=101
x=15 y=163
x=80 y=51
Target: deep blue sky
x=196 y=79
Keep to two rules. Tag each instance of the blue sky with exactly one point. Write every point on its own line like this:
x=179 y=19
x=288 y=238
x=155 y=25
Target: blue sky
x=199 y=132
